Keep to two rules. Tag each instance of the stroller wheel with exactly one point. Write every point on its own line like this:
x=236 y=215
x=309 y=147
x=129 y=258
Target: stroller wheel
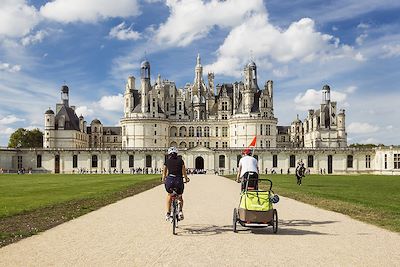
x=234 y=220
x=275 y=221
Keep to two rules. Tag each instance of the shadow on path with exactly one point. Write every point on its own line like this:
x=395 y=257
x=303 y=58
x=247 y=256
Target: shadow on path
x=203 y=229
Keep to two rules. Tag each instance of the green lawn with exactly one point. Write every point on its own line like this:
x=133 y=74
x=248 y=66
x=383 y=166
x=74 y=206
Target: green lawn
x=371 y=198
x=21 y=193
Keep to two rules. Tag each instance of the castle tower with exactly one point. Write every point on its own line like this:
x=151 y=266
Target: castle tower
x=145 y=85
x=49 y=126
x=326 y=94
x=65 y=95
x=128 y=96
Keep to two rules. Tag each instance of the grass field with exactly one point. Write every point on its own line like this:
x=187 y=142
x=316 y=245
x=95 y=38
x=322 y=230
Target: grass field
x=370 y=198
x=37 y=202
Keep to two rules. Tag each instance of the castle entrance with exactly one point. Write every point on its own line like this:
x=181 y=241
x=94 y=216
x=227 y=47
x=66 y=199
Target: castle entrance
x=199 y=163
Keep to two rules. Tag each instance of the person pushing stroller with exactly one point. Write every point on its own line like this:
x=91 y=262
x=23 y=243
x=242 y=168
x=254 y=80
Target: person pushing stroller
x=248 y=171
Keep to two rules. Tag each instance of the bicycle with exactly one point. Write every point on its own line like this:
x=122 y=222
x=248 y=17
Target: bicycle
x=175 y=207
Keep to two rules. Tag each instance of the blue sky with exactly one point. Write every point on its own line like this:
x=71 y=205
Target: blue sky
x=94 y=45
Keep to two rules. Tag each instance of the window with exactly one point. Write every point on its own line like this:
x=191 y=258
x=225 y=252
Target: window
x=94 y=161
x=216 y=131
x=224 y=131
x=180 y=106
x=167 y=106
x=199 y=131
x=131 y=161
x=148 y=161
x=310 y=161
x=19 y=162
x=113 y=161
x=224 y=106
x=39 y=161
x=261 y=143
x=267 y=143
x=367 y=161
x=396 y=161
x=154 y=102
x=75 y=161
x=385 y=161
x=191 y=144
x=221 y=161
x=261 y=129
x=224 y=144
x=224 y=116
x=265 y=103
x=292 y=161
x=207 y=131
x=267 y=129
x=115 y=139
x=349 y=161
x=191 y=131
x=274 y=161
x=216 y=144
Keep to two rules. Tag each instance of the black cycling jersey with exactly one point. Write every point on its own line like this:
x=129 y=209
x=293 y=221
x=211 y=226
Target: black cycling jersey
x=174 y=166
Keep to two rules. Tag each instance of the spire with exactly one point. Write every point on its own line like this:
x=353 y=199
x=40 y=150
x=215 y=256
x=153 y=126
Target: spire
x=198 y=59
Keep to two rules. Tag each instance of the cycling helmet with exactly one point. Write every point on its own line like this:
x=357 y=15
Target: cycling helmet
x=172 y=150
x=248 y=152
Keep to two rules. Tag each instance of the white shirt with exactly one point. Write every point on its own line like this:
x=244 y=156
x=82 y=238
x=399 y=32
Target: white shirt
x=248 y=164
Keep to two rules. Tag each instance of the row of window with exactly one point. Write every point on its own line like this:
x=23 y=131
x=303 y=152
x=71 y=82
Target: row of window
x=292 y=160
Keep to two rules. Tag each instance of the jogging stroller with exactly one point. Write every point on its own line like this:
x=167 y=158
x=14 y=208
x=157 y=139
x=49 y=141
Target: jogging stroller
x=256 y=205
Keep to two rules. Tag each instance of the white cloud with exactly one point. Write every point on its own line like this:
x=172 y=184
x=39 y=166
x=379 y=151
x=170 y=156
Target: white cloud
x=112 y=102
x=300 y=42
x=9 y=68
x=363 y=26
x=360 y=39
x=121 y=32
x=391 y=51
x=190 y=20
x=389 y=127
x=10 y=119
x=34 y=38
x=281 y=72
x=334 y=28
x=312 y=98
x=361 y=128
x=84 y=111
x=6 y=130
x=17 y=18
x=66 y=11
x=351 y=89
x=370 y=140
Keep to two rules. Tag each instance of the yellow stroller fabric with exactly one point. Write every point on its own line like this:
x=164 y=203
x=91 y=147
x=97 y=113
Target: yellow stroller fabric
x=257 y=201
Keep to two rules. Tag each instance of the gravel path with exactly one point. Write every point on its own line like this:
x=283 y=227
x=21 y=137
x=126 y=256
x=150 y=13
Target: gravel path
x=133 y=232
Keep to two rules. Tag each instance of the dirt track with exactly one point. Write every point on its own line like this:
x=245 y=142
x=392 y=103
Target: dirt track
x=133 y=232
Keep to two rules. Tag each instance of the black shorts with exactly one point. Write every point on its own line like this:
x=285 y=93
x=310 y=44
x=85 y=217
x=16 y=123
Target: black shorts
x=174 y=182
x=252 y=178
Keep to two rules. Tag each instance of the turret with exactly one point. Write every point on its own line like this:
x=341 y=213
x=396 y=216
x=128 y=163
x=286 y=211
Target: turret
x=65 y=95
x=81 y=124
x=145 y=84
x=49 y=120
x=128 y=95
x=342 y=120
x=326 y=94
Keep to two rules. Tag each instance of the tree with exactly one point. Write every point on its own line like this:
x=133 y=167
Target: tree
x=26 y=138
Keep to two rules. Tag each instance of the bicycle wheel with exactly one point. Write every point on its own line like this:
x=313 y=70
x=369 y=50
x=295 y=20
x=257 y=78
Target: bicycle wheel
x=234 y=220
x=275 y=222
x=174 y=217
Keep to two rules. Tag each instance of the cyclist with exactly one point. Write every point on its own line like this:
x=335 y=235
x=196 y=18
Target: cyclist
x=248 y=169
x=173 y=173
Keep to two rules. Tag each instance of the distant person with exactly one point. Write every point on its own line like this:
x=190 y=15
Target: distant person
x=300 y=172
x=173 y=174
x=248 y=171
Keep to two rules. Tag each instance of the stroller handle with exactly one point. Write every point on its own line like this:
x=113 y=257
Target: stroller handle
x=260 y=179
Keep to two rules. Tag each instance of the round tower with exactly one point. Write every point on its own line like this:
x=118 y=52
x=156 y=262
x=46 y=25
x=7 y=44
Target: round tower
x=65 y=95
x=49 y=126
x=145 y=70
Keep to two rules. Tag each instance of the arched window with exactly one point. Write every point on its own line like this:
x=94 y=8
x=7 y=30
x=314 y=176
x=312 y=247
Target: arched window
x=238 y=157
x=75 y=161
x=199 y=131
x=191 y=131
x=182 y=144
x=182 y=131
x=173 y=131
x=148 y=161
x=131 y=161
x=113 y=161
x=221 y=161
x=94 y=161
x=173 y=144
